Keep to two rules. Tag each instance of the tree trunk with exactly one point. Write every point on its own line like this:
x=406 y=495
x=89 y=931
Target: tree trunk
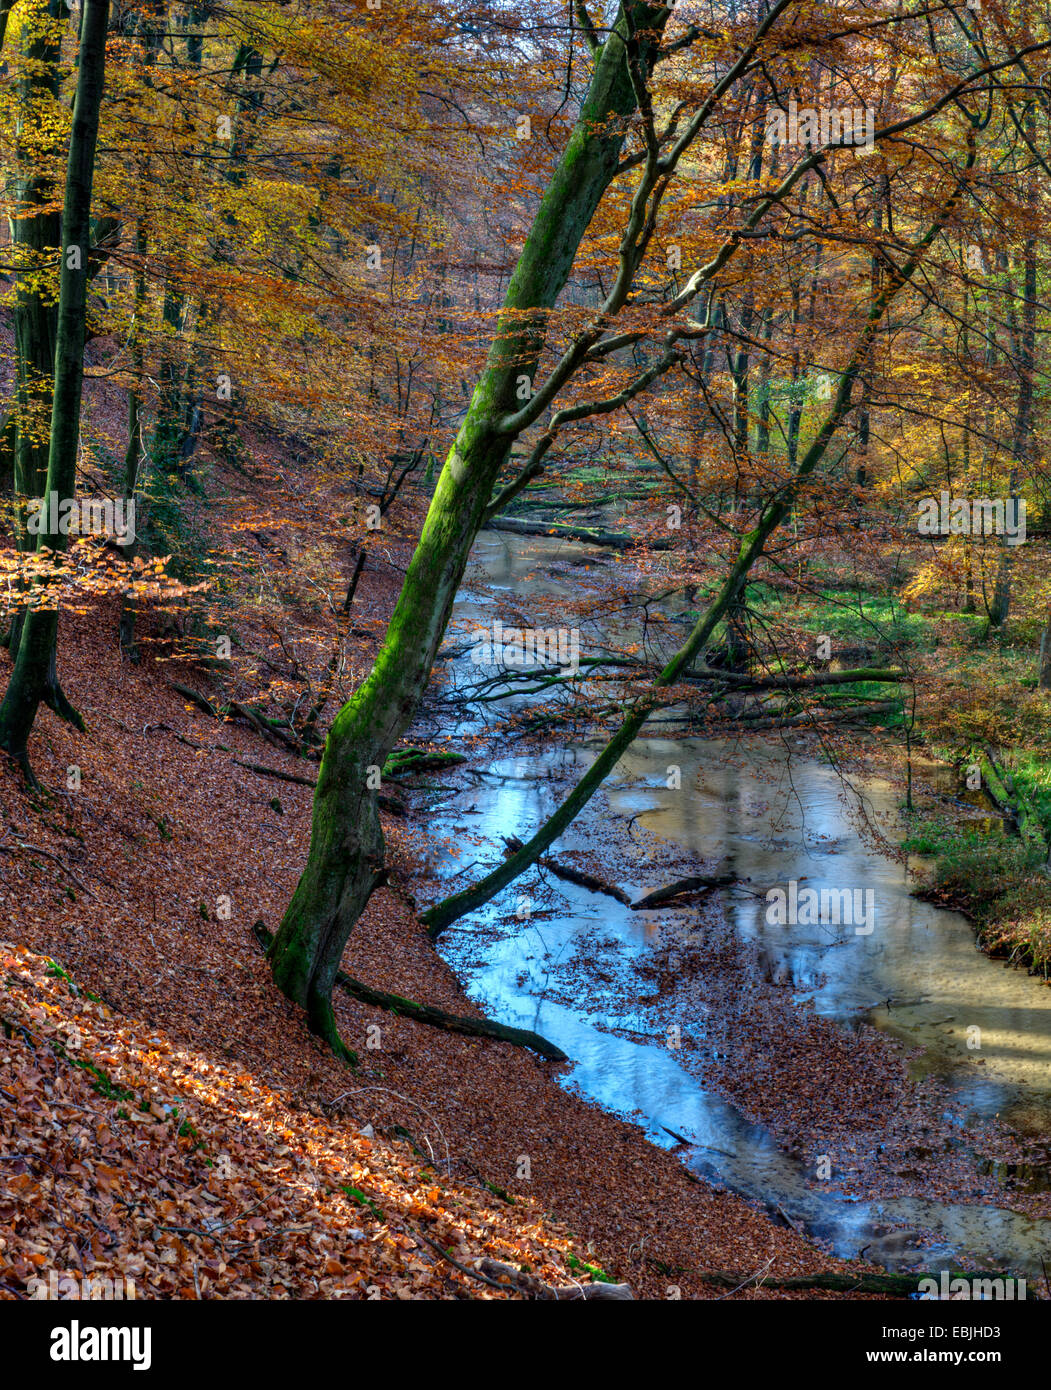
x=346 y=849
x=36 y=234
x=134 y=452
x=32 y=680
x=772 y=515
x=6 y=6
x=1021 y=441
x=1045 y=655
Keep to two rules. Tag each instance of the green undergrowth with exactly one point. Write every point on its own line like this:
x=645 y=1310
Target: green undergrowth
x=998 y=880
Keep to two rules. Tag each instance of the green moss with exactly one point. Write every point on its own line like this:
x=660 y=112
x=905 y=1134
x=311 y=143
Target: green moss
x=356 y=1195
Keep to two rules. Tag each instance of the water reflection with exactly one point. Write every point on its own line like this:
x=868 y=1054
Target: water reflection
x=775 y=815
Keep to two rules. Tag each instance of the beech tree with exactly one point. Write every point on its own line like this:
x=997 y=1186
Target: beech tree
x=659 y=272
x=346 y=860
x=33 y=677
x=346 y=855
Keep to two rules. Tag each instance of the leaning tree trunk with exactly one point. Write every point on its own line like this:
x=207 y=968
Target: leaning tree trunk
x=772 y=515
x=346 y=847
x=32 y=680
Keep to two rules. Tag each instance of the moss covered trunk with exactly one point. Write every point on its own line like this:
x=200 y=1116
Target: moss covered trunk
x=346 y=848
x=36 y=235
x=33 y=679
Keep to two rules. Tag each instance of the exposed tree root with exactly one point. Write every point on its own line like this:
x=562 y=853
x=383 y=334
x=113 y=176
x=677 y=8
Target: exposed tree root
x=55 y=699
x=46 y=854
x=436 y=1018
x=19 y=762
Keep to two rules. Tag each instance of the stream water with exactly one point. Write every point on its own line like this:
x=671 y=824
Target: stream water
x=777 y=813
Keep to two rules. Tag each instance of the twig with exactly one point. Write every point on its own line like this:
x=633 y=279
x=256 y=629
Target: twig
x=751 y=1279
x=36 y=849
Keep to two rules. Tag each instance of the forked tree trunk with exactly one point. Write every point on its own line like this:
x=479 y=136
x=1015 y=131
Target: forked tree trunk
x=346 y=847
x=33 y=679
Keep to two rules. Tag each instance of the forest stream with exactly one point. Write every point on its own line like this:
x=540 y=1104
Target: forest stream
x=776 y=812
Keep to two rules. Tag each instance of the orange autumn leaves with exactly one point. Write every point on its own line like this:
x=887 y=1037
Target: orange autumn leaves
x=129 y=1157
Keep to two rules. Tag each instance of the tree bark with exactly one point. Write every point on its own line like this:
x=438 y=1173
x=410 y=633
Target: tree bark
x=36 y=233
x=1045 y=655
x=1021 y=441
x=346 y=849
x=32 y=678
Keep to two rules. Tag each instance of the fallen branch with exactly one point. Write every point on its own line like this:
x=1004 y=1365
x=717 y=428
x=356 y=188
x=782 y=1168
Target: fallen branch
x=693 y=884
x=272 y=735
x=496 y=1270
x=811 y=682
x=616 y=540
x=464 y=1269
x=195 y=697
x=262 y=726
x=818 y=715
x=36 y=849
x=436 y=1018
x=571 y=875
x=190 y=743
x=506 y=1278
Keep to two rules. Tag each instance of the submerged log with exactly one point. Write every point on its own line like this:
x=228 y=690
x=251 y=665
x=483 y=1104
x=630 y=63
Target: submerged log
x=693 y=884
x=616 y=540
x=572 y=875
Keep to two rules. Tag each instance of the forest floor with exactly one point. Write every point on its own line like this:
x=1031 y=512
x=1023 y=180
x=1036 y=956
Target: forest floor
x=185 y=1130
x=165 y=1116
